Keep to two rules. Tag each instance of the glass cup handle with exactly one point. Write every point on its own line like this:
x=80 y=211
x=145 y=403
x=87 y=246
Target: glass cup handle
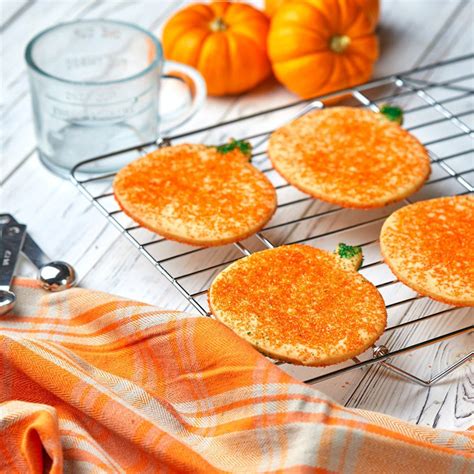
x=197 y=89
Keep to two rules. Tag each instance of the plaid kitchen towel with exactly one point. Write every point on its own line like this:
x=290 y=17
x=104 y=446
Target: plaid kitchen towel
x=90 y=382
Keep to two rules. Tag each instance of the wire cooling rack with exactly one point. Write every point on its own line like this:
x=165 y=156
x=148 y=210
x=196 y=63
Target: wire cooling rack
x=438 y=104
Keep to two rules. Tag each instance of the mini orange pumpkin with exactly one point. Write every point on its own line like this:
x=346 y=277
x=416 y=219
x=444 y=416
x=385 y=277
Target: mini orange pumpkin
x=226 y=42
x=371 y=7
x=319 y=46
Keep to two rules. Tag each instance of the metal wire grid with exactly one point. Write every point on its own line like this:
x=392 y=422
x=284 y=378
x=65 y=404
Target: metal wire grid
x=96 y=187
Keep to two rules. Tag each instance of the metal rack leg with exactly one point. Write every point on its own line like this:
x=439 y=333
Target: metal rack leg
x=383 y=350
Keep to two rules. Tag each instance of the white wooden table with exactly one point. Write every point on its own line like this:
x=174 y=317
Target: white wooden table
x=413 y=32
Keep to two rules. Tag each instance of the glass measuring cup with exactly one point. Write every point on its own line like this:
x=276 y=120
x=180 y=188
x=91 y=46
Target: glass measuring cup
x=95 y=88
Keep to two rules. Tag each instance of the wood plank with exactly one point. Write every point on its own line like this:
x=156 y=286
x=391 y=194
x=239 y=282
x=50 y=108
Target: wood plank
x=427 y=406
x=16 y=120
x=10 y=12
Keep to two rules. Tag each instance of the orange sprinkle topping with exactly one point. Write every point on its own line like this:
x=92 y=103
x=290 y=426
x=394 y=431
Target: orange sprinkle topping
x=349 y=156
x=297 y=303
x=429 y=245
x=194 y=194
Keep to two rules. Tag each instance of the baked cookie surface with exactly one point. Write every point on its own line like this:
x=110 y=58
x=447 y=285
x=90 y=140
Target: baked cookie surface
x=349 y=156
x=195 y=194
x=299 y=304
x=429 y=246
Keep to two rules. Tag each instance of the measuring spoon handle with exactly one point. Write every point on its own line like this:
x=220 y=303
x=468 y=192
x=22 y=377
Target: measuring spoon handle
x=13 y=236
x=30 y=248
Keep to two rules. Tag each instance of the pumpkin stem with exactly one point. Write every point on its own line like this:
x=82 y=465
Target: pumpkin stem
x=218 y=25
x=339 y=44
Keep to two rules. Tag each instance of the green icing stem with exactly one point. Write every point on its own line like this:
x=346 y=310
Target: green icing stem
x=348 y=251
x=244 y=146
x=392 y=112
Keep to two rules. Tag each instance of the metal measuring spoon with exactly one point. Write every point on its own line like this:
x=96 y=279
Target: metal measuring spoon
x=54 y=275
x=13 y=236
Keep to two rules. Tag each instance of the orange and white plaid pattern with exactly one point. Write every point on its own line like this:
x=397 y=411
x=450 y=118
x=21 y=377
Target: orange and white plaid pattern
x=90 y=382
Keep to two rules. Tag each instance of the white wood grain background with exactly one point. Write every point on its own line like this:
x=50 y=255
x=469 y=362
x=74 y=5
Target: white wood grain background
x=412 y=33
